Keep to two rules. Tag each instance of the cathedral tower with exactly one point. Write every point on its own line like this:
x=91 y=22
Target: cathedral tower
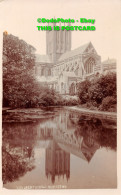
x=57 y=43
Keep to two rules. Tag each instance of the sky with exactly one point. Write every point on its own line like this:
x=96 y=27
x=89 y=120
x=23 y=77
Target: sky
x=19 y=17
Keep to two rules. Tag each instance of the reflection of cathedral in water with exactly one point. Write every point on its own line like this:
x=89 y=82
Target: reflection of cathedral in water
x=52 y=143
x=57 y=162
x=63 y=134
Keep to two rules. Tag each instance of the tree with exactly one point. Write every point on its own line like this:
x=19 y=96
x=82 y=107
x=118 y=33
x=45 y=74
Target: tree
x=99 y=91
x=103 y=87
x=18 y=69
x=20 y=88
x=83 y=91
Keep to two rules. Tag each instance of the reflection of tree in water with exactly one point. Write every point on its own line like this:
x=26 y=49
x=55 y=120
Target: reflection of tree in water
x=17 y=150
x=98 y=131
x=14 y=166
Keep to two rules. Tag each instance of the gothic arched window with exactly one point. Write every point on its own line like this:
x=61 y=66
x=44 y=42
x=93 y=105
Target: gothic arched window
x=89 y=65
x=76 y=71
x=49 y=72
x=42 y=72
x=72 y=89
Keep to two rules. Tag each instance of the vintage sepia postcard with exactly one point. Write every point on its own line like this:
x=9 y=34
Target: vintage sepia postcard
x=59 y=83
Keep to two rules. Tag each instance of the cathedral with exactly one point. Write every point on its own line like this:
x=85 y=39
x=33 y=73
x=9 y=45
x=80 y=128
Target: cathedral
x=62 y=68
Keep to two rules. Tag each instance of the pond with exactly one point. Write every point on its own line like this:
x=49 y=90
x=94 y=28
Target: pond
x=58 y=149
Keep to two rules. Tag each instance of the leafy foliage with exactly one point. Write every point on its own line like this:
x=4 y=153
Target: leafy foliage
x=83 y=91
x=18 y=68
x=20 y=88
x=97 y=92
x=108 y=103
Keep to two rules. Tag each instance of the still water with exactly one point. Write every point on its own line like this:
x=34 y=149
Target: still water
x=58 y=149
